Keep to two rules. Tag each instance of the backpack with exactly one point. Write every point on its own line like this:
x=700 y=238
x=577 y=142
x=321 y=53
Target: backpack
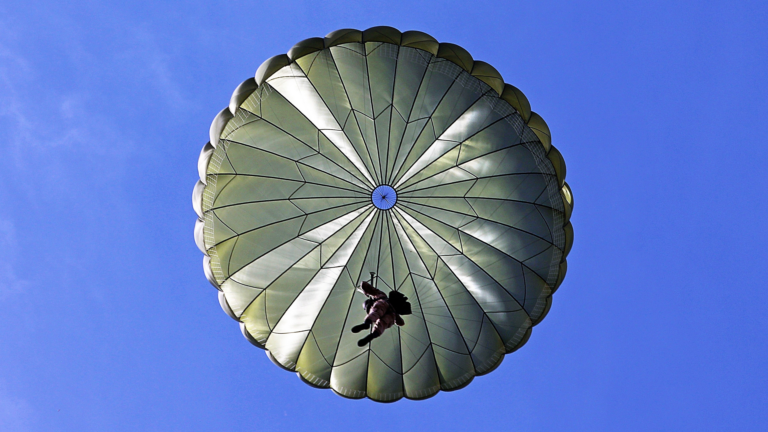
x=400 y=302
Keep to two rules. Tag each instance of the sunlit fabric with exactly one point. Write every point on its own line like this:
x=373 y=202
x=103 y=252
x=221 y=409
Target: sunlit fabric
x=387 y=153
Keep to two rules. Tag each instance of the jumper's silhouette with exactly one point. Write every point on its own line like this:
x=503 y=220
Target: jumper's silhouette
x=383 y=312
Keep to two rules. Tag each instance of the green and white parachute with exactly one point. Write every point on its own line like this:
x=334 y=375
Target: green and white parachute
x=386 y=152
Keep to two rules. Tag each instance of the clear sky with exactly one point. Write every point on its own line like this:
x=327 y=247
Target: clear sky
x=108 y=323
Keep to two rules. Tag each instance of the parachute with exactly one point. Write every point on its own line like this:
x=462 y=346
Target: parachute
x=386 y=152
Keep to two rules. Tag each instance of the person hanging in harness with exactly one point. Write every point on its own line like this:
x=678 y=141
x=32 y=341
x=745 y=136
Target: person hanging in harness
x=383 y=312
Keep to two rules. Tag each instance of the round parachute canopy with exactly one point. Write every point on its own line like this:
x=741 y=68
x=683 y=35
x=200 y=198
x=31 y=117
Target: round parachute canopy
x=387 y=153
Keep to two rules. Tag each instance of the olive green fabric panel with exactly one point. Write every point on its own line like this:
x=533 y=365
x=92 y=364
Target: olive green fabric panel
x=423 y=155
x=348 y=352
x=454 y=369
x=346 y=341
x=411 y=69
x=400 y=270
x=488 y=262
x=386 y=279
x=443 y=330
x=281 y=293
x=382 y=65
x=219 y=166
x=383 y=383
x=220 y=256
x=512 y=160
x=265 y=136
x=419 y=129
x=459 y=115
x=422 y=380
x=313 y=205
x=442 y=163
x=513 y=187
x=511 y=241
x=354 y=134
x=307 y=305
x=239 y=296
x=414 y=336
x=437 y=80
x=330 y=170
x=352 y=147
x=488 y=350
x=320 y=218
x=325 y=114
x=338 y=239
x=285 y=347
x=488 y=293
x=250 y=189
x=253 y=244
x=524 y=216
x=251 y=161
x=312 y=364
x=443 y=231
x=455 y=212
x=311 y=174
x=280 y=113
x=326 y=80
x=347 y=349
x=536 y=293
x=416 y=266
x=511 y=326
x=383 y=126
x=452 y=189
x=427 y=255
x=306 y=62
x=353 y=71
x=369 y=259
x=264 y=270
x=255 y=319
x=323 y=232
x=542 y=263
x=248 y=216
x=310 y=190
x=502 y=268
x=330 y=322
x=341 y=166
x=349 y=379
x=497 y=136
x=301 y=315
x=454 y=104
x=386 y=348
x=449 y=176
x=215 y=231
x=397 y=129
x=367 y=127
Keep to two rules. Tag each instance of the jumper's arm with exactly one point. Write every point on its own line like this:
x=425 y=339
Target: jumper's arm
x=372 y=292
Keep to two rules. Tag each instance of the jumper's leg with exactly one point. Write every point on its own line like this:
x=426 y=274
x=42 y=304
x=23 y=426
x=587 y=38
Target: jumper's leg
x=360 y=327
x=366 y=340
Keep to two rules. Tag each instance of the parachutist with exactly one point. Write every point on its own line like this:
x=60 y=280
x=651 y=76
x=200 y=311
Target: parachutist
x=383 y=312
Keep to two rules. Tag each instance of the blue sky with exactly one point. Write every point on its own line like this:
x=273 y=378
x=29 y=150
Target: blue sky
x=659 y=109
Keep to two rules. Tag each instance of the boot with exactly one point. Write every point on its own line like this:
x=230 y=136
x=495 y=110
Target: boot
x=364 y=341
x=360 y=327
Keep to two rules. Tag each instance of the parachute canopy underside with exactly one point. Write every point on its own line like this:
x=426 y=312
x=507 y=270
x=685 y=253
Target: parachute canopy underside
x=385 y=152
